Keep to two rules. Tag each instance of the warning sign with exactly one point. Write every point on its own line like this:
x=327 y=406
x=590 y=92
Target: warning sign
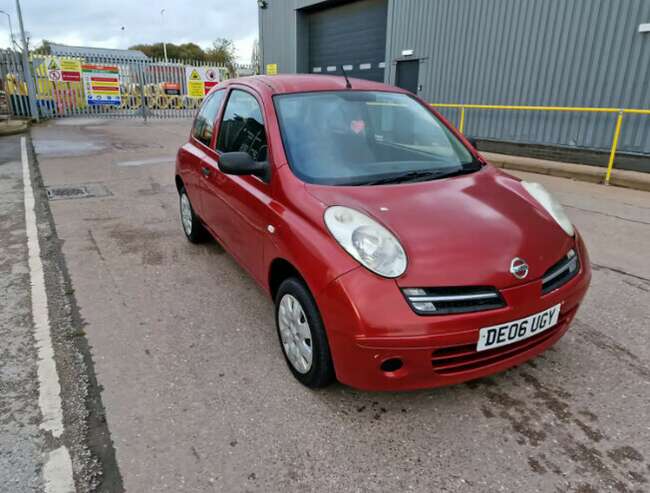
x=70 y=69
x=54 y=70
x=101 y=84
x=63 y=69
x=200 y=80
x=271 y=69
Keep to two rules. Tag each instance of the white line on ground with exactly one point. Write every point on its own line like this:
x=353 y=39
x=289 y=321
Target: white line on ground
x=57 y=472
x=50 y=389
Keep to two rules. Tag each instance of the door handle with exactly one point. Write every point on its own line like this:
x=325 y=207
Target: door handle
x=205 y=171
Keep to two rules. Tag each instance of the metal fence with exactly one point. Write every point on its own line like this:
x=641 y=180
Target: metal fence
x=111 y=87
x=12 y=83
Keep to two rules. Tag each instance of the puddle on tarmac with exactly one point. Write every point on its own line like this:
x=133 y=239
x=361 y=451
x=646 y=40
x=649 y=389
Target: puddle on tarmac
x=71 y=121
x=141 y=162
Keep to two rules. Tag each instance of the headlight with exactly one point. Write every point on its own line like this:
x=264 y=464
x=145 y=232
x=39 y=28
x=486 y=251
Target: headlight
x=366 y=240
x=552 y=206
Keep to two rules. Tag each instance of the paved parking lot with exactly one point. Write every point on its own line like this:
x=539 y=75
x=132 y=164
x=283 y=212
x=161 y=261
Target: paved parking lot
x=198 y=398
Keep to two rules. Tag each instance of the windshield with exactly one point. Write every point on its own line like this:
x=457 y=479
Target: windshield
x=367 y=138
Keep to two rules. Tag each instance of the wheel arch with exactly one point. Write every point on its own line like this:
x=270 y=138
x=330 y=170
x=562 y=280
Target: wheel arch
x=279 y=270
x=179 y=183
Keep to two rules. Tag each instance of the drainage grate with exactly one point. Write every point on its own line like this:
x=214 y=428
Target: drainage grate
x=77 y=192
x=55 y=193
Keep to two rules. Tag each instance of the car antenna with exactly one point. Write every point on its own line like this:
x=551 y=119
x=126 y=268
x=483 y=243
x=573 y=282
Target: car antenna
x=347 y=81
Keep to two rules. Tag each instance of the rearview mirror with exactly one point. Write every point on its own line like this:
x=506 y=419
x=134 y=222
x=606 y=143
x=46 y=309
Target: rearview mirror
x=241 y=163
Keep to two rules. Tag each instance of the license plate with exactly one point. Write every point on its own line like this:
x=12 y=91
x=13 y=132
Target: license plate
x=517 y=330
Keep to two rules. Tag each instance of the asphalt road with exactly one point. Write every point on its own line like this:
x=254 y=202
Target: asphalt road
x=198 y=398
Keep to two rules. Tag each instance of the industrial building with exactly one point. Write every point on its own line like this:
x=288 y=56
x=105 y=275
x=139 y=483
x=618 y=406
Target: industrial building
x=578 y=53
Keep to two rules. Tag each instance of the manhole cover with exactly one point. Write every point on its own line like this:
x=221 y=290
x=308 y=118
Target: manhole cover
x=77 y=192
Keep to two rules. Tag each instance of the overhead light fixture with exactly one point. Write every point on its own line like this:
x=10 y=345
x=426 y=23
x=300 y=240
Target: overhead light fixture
x=407 y=52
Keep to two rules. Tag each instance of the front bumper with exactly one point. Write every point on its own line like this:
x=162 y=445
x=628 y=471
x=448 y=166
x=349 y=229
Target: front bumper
x=435 y=350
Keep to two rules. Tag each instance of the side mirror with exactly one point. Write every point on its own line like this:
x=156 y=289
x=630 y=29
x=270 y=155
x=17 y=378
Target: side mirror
x=472 y=141
x=241 y=163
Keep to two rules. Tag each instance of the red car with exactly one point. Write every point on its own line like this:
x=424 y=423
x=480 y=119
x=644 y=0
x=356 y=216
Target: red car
x=396 y=256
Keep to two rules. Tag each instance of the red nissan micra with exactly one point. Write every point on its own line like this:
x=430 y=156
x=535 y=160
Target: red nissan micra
x=397 y=257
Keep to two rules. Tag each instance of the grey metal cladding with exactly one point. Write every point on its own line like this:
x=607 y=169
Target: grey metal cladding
x=533 y=52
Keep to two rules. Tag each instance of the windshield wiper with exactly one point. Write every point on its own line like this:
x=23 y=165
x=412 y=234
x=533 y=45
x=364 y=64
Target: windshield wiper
x=463 y=170
x=420 y=175
x=402 y=177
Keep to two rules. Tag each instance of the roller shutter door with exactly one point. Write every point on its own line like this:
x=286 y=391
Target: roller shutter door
x=352 y=35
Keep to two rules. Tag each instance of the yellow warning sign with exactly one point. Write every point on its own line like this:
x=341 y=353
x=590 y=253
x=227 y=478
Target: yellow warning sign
x=53 y=65
x=271 y=69
x=70 y=65
x=195 y=89
x=200 y=80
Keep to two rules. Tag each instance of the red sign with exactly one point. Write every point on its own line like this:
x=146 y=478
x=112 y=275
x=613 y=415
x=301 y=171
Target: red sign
x=71 y=76
x=209 y=85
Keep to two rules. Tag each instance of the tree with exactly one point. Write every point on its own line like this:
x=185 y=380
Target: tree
x=187 y=51
x=221 y=52
x=43 y=49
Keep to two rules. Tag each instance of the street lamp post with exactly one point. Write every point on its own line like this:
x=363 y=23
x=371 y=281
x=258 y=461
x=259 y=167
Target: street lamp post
x=12 y=39
x=162 y=15
x=31 y=87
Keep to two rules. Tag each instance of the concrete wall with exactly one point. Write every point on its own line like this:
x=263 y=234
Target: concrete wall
x=534 y=52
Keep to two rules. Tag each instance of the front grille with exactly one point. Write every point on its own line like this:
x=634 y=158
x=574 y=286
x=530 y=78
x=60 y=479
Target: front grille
x=457 y=359
x=443 y=301
x=560 y=273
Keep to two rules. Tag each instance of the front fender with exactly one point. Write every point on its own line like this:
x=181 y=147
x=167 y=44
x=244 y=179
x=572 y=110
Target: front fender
x=301 y=238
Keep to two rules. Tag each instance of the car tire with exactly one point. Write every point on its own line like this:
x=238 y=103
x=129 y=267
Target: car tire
x=191 y=224
x=320 y=371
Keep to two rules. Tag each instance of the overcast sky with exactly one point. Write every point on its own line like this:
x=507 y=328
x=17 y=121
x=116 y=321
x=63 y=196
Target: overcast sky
x=98 y=23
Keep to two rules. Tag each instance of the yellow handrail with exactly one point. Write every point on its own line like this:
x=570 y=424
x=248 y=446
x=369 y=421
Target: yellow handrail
x=578 y=109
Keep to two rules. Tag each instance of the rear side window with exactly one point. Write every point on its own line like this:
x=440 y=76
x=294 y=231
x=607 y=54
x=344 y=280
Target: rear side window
x=242 y=127
x=204 y=122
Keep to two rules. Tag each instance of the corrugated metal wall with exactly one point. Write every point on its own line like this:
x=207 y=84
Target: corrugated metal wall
x=534 y=52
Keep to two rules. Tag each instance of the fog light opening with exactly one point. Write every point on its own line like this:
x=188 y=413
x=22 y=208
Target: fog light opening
x=391 y=365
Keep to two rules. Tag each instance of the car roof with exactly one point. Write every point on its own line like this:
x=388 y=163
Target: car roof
x=292 y=83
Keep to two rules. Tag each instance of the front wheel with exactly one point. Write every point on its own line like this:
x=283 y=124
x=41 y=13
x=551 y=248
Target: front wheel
x=302 y=334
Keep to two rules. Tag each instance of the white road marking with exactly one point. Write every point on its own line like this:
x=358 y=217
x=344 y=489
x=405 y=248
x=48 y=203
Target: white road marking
x=57 y=472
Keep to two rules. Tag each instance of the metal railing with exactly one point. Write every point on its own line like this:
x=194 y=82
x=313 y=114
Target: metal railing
x=568 y=109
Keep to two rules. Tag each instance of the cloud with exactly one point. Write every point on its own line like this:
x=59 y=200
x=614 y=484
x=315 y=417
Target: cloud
x=99 y=24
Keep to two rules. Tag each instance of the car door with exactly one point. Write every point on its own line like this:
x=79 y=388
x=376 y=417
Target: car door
x=194 y=151
x=236 y=207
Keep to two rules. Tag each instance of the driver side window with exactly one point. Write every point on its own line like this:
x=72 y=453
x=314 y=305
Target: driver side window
x=242 y=127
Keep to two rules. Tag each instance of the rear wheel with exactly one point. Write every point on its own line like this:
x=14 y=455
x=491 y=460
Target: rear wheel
x=302 y=334
x=192 y=226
